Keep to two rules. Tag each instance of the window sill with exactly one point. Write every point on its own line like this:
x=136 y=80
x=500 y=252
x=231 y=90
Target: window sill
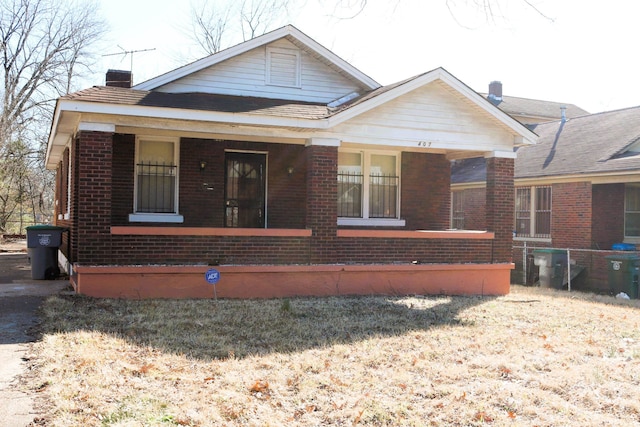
x=371 y=222
x=150 y=217
x=532 y=239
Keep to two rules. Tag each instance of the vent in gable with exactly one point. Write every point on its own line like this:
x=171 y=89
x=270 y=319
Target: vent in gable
x=283 y=67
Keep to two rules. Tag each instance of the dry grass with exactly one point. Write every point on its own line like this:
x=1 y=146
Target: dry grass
x=533 y=358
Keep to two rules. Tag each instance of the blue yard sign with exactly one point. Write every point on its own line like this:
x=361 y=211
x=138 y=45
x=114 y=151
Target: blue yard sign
x=212 y=276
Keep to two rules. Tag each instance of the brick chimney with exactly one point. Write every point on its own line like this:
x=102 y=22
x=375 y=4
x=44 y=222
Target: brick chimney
x=495 y=91
x=119 y=78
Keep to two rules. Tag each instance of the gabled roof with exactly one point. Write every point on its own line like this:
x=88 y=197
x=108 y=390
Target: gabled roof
x=596 y=144
x=289 y=32
x=105 y=108
x=119 y=100
x=547 y=110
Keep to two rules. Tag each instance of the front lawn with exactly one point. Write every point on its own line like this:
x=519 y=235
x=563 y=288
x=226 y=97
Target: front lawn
x=533 y=358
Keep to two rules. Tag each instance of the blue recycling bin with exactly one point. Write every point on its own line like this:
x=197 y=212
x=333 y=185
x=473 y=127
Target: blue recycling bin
x=43 y=242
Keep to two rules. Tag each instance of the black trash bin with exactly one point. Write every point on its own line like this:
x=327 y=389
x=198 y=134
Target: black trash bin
x=624 y=271
x=43 y=242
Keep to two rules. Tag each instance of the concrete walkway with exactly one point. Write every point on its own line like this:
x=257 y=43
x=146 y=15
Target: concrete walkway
x=20 y=298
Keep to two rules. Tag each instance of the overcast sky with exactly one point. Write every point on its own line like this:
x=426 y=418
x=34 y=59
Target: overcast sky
x=581 y=52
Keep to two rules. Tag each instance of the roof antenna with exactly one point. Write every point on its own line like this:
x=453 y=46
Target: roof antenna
x=125 y=52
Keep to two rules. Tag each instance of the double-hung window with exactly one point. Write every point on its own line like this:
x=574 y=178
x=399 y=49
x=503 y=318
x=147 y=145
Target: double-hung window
x=368 y=188
x=533 y=212
x=632 y=210
x=156 y=180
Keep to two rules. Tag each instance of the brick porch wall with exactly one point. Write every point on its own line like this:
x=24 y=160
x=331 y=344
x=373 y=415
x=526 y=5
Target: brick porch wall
x=500 y=206
x=104 y=179
x=322 y=202
x=92 y=218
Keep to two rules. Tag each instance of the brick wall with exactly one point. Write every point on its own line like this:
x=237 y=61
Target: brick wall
x=500 y=206
x=426 y=194
x=475 y=216
x=424 y=251
x=304 y=199
x=608 y=215
x=210 y=250
x=202 y=192
x=322 y=202
x=93 y=209
x=571 y=215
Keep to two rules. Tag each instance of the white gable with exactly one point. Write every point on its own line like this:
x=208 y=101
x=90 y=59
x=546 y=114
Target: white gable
x=433 y=116
x=277 y=70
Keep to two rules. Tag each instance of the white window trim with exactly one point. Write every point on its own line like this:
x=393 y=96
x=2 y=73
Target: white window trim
x=365 y=220
x=298 y=66
x=67 y=214
x=628 y=239
x=156 y=217
x=151 y=217
x=372 y=222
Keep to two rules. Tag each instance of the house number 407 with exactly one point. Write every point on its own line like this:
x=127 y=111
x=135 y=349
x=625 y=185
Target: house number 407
x=424 y=144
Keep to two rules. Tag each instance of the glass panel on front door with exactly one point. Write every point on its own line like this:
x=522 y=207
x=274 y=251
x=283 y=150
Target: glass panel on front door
x=245 y=190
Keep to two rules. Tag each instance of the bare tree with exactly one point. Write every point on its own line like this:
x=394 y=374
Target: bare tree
x=258 y=16
x=213 y=23
x=209 y=23
x=44 y=46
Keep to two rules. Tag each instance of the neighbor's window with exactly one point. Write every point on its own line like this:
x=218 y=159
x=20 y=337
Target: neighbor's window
x=457 y=210
x=533 y=212
x=156 y=186
x=632 y=211
x=368 y=185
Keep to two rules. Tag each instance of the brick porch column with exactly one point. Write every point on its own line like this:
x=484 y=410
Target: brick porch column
x=322 y=199
x=500 y=204
x=93 y=187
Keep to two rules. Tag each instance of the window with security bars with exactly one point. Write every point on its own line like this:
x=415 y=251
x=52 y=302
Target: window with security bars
x=156 y=176
x=377 y=196
x=533 y=212
x=632 y=211
x=350 y=194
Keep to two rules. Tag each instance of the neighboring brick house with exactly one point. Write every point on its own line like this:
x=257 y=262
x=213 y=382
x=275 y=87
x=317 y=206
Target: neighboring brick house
x=286 y=170
x=578 y=188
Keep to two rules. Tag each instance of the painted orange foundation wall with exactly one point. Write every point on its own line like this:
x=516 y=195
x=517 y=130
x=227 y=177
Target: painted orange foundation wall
x=288 y=281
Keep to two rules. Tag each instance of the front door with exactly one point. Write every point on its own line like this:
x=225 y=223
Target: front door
x=245 y=190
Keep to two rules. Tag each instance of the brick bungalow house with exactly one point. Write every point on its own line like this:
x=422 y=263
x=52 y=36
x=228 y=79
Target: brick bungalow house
x=577 y=188
x=285 y=171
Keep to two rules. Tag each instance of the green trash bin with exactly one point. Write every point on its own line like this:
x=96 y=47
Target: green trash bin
x=552 y=264
x=43 y=242
x=623 y=270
